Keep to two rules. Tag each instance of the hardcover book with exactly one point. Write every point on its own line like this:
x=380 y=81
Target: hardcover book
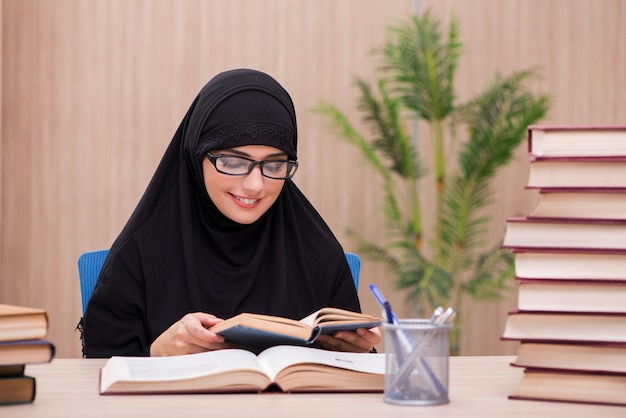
x=577 y=173
x=22 y=323
x=587 y=204
x=597 y=358
x=263 y=331
x=17 y=389
x=595 y=388
x=558 y=264
x=571 y=296
x=565 y=326
x=12 y=370
x=280 y=368
x=26 y=352
x=572 y=141
x=525 y=232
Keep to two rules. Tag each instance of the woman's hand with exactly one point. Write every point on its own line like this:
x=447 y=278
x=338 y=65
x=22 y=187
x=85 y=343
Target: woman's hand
x=360 y=341
x=189 y=335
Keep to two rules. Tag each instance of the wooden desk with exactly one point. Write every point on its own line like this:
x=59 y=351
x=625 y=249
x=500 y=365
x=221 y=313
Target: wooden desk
x=479 y=387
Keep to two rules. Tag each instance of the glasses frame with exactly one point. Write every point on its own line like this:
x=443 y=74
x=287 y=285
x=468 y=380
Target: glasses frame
x=253 y=163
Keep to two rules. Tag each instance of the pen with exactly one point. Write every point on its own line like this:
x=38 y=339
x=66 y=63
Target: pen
x=391 y=318
x=407 y=344
x=384 y=303
x=436 y=314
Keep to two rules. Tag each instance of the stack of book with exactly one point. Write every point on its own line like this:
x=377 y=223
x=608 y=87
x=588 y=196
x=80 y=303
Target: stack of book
x=22 y=341
x=570 y=263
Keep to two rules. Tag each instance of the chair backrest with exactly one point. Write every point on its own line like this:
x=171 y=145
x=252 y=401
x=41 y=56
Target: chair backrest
x=354 y=261
x=90 y=264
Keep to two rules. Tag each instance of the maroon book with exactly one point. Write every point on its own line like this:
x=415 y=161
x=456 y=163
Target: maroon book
x=565 y=326
x=565 y=233
x=577 y=140
x=571 y=296
x=581 y=204
x=570 y=264
x=566 y=386
x=577 y=173
x=581 y=357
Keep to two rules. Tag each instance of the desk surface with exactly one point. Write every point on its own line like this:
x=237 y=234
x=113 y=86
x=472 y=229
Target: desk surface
x=479 y=387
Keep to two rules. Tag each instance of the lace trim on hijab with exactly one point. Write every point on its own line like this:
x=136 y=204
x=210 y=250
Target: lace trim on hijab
x=272 y=135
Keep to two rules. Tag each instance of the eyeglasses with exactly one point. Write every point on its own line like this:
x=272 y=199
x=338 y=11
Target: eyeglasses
x=240 y=166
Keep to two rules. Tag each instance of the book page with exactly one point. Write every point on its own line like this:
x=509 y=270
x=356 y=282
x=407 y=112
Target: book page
x=258 y=321
x=310 y=319
x=275 y=319
x=275 y=359
x=158 y=369
x=335 y=314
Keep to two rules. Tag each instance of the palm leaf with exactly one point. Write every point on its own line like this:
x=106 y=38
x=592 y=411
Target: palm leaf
x=342 y=127
x=423 y=66
x=491 y=276
x=389 y=137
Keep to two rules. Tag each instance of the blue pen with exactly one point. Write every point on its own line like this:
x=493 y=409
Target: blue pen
x=384 y=303
x=407 y=344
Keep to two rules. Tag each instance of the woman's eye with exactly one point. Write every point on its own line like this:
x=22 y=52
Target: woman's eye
x=234 y=162
x=277 y=167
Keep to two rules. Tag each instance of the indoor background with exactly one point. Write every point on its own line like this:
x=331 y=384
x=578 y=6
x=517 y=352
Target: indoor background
x=93 y=90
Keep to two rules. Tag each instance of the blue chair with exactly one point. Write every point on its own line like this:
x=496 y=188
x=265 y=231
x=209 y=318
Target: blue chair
x=90 y=264
x=354 y=261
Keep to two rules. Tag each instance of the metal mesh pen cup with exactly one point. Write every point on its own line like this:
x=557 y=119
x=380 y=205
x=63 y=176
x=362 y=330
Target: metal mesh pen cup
x=417 y=356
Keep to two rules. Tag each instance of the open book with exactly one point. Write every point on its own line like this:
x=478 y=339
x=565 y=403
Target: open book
x=283 y=368
x=263 y=331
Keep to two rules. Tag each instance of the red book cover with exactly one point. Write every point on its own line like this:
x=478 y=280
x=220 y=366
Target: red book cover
x=581 y=158
x=570 y=282
x=567 y=221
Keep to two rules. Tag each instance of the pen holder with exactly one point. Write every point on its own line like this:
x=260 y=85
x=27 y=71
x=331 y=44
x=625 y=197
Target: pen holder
x=417 y=356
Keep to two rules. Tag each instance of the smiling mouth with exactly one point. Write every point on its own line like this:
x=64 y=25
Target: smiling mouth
x=246 y=201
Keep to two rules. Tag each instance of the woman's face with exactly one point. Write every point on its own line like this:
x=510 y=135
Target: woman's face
x=243 y=199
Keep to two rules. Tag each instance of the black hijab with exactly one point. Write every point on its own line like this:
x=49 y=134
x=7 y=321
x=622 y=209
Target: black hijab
x=178 y=253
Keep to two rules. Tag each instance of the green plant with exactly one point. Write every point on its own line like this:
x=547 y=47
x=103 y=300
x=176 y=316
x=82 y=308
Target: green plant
x=416 y=81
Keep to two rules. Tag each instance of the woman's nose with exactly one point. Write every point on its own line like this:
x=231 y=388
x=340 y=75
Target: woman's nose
x=253 y=181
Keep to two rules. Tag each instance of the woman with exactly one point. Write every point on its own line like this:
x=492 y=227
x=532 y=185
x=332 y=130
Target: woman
x=220 y=230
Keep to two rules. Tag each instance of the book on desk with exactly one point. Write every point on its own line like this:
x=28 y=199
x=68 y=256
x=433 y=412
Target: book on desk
x=570 y=262
x=280 y=368
x=286 y=361
x=22 y=341
x=571 y=386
